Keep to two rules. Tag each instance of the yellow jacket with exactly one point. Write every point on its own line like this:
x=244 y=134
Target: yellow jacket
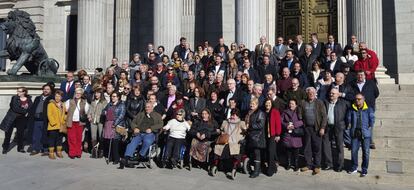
x=55 y=115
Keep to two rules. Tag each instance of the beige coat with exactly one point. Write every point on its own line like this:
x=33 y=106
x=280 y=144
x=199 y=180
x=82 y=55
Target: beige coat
x=235 y=137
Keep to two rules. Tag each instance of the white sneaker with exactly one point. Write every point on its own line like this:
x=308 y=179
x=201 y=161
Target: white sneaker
x=352 y=172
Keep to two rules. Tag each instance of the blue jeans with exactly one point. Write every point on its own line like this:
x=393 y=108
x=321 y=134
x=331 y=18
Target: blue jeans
x=146 y=139
x=356 y=143
x=38 y=130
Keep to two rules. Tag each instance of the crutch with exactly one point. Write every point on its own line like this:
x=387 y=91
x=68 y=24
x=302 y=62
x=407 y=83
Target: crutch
x=109 y=152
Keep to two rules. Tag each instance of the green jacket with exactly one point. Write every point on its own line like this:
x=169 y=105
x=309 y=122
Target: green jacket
x=138 y=120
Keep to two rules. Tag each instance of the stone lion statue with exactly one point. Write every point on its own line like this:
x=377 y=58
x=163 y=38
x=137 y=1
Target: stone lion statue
x=23 y=46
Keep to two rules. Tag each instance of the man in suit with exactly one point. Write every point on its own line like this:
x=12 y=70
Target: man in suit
x=221 y=44
x=307 y=59
x=218 y=67
x=67 y=86
x=267 y=68
x=258 y=50
x=253 y=75
x=180 y=48
x=334 y=64
x=88 y=91
x=279 y=49
x=336 y=113
x=150 y=49
x=318 y=47
x=354 y=44
x=299 y=46
x=288 y=60
x=234 y=93
x=335 y=46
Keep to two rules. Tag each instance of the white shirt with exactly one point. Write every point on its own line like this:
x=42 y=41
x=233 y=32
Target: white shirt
x=332 y=66
x=68 y=85
x=177 y=129
x=361 y=85
x=76 y=114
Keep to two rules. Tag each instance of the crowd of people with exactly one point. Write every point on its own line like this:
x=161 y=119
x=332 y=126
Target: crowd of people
x=215 y=105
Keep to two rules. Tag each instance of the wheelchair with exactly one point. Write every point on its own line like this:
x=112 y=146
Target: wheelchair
x=244 y=164
x=149 y=161
x=180 y=162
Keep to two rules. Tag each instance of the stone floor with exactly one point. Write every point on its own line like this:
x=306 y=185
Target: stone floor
x=20 y=171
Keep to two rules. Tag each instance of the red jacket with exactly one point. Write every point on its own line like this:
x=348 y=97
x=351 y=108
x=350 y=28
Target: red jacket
x=369 y=64
x=275 y=123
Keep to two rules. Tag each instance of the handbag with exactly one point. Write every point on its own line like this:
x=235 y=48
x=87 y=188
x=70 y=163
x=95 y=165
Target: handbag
x=298 y=132
x=223 y=139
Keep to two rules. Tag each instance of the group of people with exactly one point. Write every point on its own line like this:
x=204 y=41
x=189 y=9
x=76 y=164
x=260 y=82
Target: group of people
x=212 y=104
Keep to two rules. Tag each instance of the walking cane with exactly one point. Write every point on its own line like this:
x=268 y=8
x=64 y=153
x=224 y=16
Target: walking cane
x=109 y=152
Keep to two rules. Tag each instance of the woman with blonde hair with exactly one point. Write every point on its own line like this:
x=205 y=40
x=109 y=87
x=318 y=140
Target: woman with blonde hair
x=75 y=121
x=56 y=116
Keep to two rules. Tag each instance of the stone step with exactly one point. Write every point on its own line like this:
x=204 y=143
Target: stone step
x=380 y=165
x=393 y=131
x=394 y=143
x=380 y=114
x=395 y=107
x=392 y=153
x=394 y=100
x=393 y=122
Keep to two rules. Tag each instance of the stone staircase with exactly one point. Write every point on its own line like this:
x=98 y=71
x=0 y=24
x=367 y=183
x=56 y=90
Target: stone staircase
x=393 y=136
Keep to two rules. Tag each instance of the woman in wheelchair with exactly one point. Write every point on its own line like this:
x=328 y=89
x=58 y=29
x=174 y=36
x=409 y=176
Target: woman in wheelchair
x=178 y=128
x=144 y=125
x=232 y=132
x=203 y=133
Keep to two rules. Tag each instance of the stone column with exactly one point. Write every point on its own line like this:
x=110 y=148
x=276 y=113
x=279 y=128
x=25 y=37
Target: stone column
x=342 y=22
x=123 y=29
x=367 y=24
x=267 y=20
x=229 y=21
x=248 y=31
x=91 y=34
x=167 y=23
x=188 y=22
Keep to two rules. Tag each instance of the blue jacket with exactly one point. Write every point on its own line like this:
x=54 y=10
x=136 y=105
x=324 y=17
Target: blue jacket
x=119 y=113
x=368 y=119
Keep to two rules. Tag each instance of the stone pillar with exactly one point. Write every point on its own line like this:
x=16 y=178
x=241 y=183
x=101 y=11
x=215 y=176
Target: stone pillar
x=229 y=21
x=91 y=34
x=248 y=31
x=167 y=23
x=267 y=20
x=122 y=29
x=188 y=22
x=367 y=24
x=342 y=22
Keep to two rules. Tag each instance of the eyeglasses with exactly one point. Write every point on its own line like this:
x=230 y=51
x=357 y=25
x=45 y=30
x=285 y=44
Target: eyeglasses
x=127 y=89
x=179 y=114
x=114 y=96
x=19 y=91
x=170 y=69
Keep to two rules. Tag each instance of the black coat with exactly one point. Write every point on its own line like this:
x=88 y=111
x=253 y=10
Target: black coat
x=14 y=111
x=206 y=128
x=256 y=131
x=340 y=111
x=134 y=105
x=370 y=92
x=216 y=110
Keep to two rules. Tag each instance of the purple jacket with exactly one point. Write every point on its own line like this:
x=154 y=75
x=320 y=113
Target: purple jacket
x=288 y=140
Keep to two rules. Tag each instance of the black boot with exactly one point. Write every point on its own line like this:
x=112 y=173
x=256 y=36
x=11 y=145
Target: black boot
x=296 y=165
x=256 y=171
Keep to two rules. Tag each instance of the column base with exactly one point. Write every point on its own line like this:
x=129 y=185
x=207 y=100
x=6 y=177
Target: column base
x=382 y=77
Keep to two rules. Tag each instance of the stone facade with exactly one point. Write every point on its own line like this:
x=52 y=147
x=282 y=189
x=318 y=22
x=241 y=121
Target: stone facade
x=108 y=28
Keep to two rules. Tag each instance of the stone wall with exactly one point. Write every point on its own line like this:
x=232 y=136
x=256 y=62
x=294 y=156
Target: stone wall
x=404 y=14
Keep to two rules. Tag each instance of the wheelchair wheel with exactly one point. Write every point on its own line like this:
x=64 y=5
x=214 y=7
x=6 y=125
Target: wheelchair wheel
x=247 y=168
x=213 y=171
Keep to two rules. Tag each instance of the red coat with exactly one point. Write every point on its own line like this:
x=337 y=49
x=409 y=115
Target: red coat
x=275 y=123
x=370 y=64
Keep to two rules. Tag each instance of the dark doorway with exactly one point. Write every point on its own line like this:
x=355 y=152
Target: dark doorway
x=142 y=25
x=72 y=43
x=208 y=21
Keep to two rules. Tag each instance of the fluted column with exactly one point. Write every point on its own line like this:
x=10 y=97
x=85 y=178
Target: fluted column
x=248 y=31
x=167 y=23
x=123 y=29
x=342 y=22
x=367 y=24
x=188 y=21
x=91 y=34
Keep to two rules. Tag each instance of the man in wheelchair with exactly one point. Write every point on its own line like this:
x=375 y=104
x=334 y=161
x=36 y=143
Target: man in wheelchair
x=144 y=126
